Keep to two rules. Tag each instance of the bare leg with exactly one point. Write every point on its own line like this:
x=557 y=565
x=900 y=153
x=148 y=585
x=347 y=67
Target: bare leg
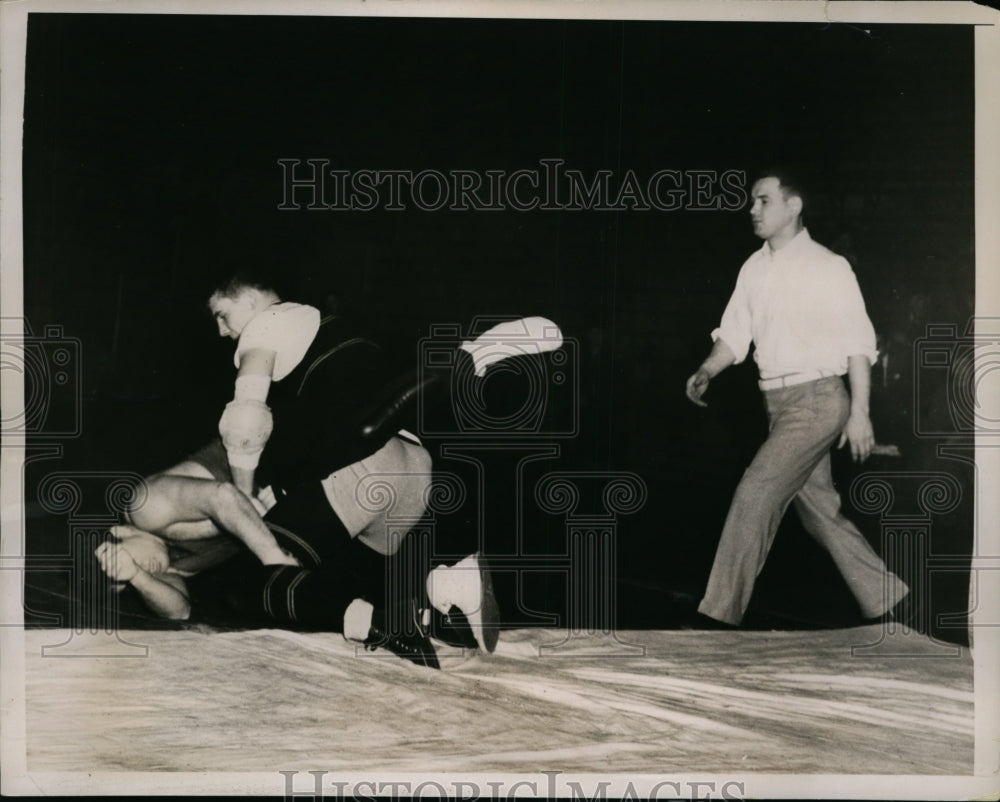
x=154 y=507
x=202 y=554
x=181 y=506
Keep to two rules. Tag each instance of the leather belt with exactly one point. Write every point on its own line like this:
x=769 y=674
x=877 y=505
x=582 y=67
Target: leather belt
x=791 y=379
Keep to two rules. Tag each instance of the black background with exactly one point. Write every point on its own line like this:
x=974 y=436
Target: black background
x=151 y=158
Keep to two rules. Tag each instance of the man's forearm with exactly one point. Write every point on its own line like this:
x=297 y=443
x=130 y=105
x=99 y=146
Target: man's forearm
x=163 y=598
x=243 y=478
x=720 y=358
x=859 y=376
x=858 y=430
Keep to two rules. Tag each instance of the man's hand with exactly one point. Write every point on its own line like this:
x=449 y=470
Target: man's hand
x=258 y=505
x=718 y=360
x=116 y=562
x=697 y=384
x=859 y=433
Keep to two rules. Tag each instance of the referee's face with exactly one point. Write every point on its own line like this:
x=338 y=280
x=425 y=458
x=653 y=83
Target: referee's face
x=772 y=213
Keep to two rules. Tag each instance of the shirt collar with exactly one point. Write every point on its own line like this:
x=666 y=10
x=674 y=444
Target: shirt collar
x=795 y=245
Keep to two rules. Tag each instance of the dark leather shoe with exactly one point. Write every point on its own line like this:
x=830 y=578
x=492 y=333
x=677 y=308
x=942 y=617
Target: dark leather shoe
x=906 y=614
x=702 y=621
x=452 y=629
x=403 y=636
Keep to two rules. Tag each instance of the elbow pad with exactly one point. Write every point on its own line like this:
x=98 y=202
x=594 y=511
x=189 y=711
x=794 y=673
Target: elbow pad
x=244 y=427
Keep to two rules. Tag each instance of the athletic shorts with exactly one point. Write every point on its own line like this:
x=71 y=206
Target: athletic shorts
x=213 y=456
x=377 y=499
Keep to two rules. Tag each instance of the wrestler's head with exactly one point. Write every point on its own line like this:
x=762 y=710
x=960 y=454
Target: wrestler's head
x=237 y=300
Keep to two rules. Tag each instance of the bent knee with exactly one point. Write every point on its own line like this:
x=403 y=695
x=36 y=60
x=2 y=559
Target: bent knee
x=424 y=460
x=174 y=499
x=400 y=455
x=150 y=507
x=231 y=507
x=226 y=496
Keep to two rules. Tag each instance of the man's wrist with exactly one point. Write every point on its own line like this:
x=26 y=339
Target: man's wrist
x=137 y=575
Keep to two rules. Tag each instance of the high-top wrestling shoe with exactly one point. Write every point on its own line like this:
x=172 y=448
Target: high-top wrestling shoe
x=452 y=628
x=403 y=636
x=463 y=595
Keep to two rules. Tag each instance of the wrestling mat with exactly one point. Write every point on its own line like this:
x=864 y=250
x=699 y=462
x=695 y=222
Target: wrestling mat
x=193 y=700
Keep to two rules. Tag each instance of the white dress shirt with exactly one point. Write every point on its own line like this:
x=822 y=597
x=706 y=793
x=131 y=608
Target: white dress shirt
x=801 y=307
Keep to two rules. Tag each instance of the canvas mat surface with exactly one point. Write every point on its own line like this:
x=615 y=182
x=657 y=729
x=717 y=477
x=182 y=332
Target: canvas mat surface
x=203 y=701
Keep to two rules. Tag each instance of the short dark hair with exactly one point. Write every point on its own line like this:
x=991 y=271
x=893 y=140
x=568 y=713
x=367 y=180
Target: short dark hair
x=237 y=282
x=235 y=273
x=790 y=179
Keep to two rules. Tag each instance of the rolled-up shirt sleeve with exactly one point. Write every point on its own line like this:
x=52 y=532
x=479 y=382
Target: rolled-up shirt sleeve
x=735 y=328
x=857 y=334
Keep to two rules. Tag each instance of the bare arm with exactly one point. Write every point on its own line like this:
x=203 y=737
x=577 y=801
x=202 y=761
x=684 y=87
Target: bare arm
x=858 y=430
x=720 y=358
x=165 y=594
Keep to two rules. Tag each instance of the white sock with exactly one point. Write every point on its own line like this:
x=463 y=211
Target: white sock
x=459 y=585
x=358 y=619
x=529 y=335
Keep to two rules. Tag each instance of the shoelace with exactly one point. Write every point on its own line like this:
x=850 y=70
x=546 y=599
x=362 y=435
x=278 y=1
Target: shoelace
x=422 y=621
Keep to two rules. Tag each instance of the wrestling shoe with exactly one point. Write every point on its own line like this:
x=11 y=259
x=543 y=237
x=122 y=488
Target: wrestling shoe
x=403 y=636
x=393 y=406
x=529 y=336
x=463 y=595
x=452 y=628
